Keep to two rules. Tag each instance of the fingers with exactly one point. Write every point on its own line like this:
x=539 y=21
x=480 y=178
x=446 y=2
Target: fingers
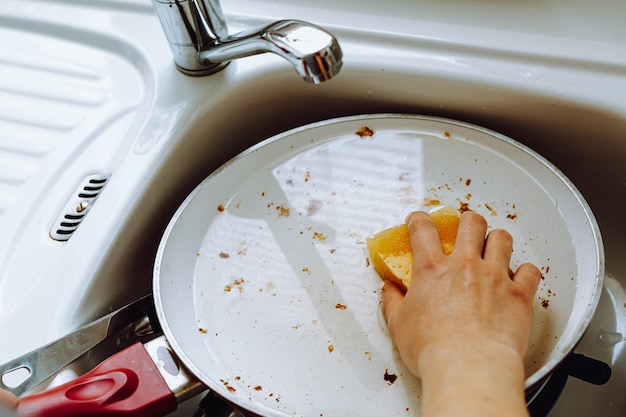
x=499 y=247
x=528 y=276
x=392 y=298
x=423 y=235
x=470 y=238
x=8 y=401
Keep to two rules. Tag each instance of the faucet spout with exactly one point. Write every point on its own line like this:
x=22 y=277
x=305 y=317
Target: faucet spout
x=197 y=34
x=314 y=53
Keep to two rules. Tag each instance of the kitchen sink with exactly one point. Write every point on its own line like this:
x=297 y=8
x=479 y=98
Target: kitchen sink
x=177 y=129
x=583 y=140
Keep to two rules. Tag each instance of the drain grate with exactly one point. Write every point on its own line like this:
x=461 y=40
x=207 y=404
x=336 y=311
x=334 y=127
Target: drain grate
x=77 y=207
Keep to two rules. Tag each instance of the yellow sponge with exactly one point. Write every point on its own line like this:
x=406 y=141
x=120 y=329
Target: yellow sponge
x=390 y=250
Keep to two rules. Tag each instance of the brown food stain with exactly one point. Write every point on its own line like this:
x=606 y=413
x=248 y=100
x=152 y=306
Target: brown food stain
x=432 y=202
x=491 y=210
x=238 y=283
x=221 y=208
x=463 y=207
x=202 y=330
x=545 y=303
x=365 y=131
x=390 y=378
x=228 y=386
x=283 y=211
x=331 y=348
x=319 y=236
x=340 y=306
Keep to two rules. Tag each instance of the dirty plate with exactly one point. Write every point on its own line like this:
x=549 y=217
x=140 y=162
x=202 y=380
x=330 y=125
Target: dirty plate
x=263 y=283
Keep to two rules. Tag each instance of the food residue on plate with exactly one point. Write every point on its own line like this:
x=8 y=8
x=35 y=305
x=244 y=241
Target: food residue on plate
x=463 y=207
x=365 y=131
x=340 y=306
x=491 y=210
x=389 y=377
x=283 y=211
x=237 y=283
x=432 y=201
x=228 y=386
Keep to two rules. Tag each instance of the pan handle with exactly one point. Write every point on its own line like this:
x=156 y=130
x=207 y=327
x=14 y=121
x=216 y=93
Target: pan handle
x=127 y=383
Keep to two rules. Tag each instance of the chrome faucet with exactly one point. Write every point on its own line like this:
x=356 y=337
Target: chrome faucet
x=198 y=36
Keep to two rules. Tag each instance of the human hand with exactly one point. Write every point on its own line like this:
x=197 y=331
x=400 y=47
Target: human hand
x=8 y=402
x=464 y=323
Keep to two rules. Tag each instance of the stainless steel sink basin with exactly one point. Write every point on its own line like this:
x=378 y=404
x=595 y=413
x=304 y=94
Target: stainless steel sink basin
x=583 y=140
x=582 y=137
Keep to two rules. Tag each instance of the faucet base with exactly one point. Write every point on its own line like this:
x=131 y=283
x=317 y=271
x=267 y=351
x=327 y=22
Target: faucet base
x=204 y=71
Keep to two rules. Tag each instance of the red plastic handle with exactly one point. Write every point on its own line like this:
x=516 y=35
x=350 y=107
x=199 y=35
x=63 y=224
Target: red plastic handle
x=127 y=383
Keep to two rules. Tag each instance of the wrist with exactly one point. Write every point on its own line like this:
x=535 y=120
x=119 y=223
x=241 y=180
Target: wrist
x=458 y=380
x=469 y=355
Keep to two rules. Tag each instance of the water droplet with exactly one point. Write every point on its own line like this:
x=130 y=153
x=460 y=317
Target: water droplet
x=609 y=339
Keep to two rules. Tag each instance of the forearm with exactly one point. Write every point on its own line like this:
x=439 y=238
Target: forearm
x=482 y=384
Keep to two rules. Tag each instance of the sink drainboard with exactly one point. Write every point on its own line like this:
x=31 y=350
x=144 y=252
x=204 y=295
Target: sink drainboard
x=77 y=207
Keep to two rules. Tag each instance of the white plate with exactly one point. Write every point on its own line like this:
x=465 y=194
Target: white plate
x=263 y=283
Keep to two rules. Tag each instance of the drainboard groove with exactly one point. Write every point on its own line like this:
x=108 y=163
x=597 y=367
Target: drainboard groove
x=77 y=207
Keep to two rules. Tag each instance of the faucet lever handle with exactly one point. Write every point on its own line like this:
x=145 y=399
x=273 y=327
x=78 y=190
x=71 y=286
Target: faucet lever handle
x=198 y=36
